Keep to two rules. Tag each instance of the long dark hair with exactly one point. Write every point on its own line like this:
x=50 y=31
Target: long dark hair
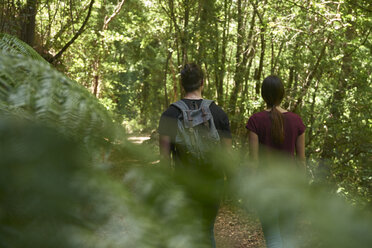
x=273 y=92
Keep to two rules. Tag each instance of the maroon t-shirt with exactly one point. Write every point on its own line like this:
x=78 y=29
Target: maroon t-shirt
x=260 y=123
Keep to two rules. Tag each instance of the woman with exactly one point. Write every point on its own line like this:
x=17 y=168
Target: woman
x=276 y=129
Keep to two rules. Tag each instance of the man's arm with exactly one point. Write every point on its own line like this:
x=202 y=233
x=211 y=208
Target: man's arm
x=165 y=148
x=226 y=143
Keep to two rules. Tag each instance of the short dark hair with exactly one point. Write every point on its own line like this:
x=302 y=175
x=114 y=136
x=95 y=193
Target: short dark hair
x=191 y=77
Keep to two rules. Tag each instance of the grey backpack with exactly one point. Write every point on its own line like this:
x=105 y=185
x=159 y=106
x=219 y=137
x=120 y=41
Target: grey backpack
x=197 y=135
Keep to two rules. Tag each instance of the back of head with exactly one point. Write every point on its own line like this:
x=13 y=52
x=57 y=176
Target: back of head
x=273 y=92
x=191 y=77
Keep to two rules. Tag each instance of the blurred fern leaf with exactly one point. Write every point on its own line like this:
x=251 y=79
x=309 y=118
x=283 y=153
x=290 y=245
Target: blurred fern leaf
x=11 y=44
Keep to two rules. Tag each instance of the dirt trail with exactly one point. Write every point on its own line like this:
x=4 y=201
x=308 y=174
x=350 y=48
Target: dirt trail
x=234 y=228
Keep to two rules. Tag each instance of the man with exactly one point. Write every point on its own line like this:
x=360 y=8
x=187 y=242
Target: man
x=192 y=80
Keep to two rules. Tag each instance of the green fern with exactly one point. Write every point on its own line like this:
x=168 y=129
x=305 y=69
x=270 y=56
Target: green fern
x=35 y=88
x=11 y=44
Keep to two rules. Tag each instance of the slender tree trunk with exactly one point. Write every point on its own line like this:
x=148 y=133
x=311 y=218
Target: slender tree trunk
x=28 y=26
x=185 y=32
x=165 y=79
x=311 y=75
x=247 y=55
x=312 y=113
x=238 y=77
x=258 y=71
x=97 y=85
x=221 y=70
x=174 y=80
x=339 y=94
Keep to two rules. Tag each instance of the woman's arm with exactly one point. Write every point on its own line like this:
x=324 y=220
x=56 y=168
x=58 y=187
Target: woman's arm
x=253 y=145
x=300 y=149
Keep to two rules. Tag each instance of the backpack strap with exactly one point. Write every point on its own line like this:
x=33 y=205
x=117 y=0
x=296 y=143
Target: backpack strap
x=204 y=106
x=206 y=103
x=181 y=105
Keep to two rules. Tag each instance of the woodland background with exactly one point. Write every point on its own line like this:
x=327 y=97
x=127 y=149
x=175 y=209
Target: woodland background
x=128 y=53
x=96 y=71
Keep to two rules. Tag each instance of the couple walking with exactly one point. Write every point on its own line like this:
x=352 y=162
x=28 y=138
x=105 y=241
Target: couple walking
x=193 y=127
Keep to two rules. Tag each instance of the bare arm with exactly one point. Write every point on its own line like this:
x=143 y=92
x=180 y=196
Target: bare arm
x=253 y=145
x=165 y=148
x=226 y=143
x=300 y=149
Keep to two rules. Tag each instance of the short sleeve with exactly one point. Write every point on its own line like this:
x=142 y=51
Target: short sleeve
x=224 y=128
x=301 y=127
x=252 y=124
x=168 y=122
x=221 y=121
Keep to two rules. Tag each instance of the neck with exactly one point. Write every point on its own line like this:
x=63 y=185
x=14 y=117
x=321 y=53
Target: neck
x=193 y=95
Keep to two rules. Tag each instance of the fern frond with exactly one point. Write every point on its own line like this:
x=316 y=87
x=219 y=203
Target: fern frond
x=13 y=45
x=50 y=97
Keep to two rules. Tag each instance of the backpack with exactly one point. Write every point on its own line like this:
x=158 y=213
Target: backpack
x=197 y=135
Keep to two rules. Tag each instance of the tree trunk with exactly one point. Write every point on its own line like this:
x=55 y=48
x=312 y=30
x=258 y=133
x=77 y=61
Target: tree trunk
x=221 y=67
x=338 y=95
x=166 y=102
x=97 y=86
x=310 y=76
x=258 y=72
x=238 y=77
x=185 y=32
x=28 y=26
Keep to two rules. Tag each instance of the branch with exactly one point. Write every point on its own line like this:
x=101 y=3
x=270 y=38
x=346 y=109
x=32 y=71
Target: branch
x=258 y=13
x=362 y=44
x=311 y=74
x=79 y=32
x=359 y=6
x=307 y=9
x=116 y=12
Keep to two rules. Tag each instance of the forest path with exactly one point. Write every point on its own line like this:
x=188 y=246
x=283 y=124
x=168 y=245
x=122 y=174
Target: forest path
x=234 y=227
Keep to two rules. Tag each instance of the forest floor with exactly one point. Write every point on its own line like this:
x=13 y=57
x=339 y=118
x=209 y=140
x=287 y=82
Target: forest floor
x=236 y=228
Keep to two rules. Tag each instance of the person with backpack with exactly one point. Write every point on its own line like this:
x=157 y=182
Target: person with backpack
x=189 y=131
x=276 y=130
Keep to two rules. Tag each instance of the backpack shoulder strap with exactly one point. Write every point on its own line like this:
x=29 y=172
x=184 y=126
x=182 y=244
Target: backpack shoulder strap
x=181 y=105
x=205 y=103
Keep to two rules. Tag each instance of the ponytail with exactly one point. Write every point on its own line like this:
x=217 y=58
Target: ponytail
x=273 y=92
x=277 y=126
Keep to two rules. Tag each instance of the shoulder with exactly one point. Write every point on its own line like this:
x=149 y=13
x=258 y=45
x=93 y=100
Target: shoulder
x=256 y=121
x=217 y=111
x=171 y=112
x=259 y=115
x=293 y=116
x=295 y=121
x=215 y=107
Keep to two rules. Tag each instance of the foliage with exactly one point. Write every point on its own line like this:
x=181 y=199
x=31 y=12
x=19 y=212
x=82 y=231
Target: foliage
x=33 y=89
x=52 y=196
x=11 y=44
